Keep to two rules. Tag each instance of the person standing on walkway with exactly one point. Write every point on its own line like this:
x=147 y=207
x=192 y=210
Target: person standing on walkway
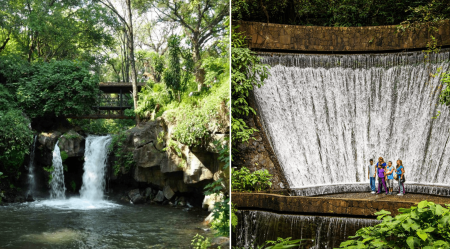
x=400 y=177
x=381 y=178
x=383 y=165
x=390 y=177
x=371 y=176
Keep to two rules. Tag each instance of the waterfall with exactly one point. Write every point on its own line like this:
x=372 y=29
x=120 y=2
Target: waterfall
x=327 y=115
x=58 y=188
x=31 y=179
x=255 y=227
x=94 y=167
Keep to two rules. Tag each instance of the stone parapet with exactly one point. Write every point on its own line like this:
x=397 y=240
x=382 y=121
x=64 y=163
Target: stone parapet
x=270 y=36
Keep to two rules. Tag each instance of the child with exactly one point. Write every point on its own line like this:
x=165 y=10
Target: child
x=381 y=177
x=371 y=176
x=390 y=177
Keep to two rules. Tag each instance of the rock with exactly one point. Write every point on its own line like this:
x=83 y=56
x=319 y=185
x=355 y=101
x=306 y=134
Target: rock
x=222 y=242
x=19 y=199
x=148 y=156
x=148 y=192
x=211 y=147
x=159 y=197
x=138 y=199
x=125 y=199
x=174 y=162
x=29 y=198
x=49 y=139
x=181 y=203
x=144 y=133
x=72 y=143
x=196 y=169
x=210 y=200
x=133 y=192
x=208 y=219
x=149 y=175
x=168 y=192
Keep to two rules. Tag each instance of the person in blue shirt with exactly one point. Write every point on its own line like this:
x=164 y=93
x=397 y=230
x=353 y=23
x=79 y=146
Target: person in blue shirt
x=390 y=177
x=371 y=175
x=400 y=177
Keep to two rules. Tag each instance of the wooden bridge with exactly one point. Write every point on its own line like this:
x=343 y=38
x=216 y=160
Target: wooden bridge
x=116 y=97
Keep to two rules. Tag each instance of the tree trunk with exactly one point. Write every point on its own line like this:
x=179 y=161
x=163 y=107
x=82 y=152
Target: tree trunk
x=131 y=56
x=199 y=73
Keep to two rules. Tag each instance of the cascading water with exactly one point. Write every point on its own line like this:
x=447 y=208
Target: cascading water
x=255 y=227
x=31 y=179
x=326 y=116
x=91 y=193
x=94 y=167
x=58 y=188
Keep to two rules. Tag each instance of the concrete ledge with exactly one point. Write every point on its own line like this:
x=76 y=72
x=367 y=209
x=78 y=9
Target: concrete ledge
x=318 y=205
x=269 y=36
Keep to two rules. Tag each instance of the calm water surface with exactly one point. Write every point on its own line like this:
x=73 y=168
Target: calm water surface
x=77 y=223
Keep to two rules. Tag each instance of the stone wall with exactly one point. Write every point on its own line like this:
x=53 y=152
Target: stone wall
x=271 y=36
x=257 y=153
x=320 y=204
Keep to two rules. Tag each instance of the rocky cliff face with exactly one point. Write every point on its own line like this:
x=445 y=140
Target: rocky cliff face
x=173 y=167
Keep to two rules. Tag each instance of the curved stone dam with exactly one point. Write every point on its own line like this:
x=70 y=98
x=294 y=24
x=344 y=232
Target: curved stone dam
x=325 y=116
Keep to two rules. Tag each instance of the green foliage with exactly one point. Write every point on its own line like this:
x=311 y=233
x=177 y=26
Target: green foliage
x=64 y=155
x=423 y=226
x=58 y=88
x=15 y=140
x=200 y=242
x=247 y=72
x=215 y=68
x=73 y=185
x=45 y=30
x=243 y=180
x=151 y=96
x=172 y=75
x=195 y=117
x=445 y=94
x=123 y=158
x=49 y=169
x=342 y=13
x=103 y=126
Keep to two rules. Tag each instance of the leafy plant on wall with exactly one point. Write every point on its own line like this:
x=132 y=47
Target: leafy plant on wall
x=423 y=226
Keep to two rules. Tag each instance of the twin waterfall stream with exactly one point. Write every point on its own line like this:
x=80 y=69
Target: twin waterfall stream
x=91 y=193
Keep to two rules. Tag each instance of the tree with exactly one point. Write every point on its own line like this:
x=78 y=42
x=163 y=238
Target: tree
x=127 y=20
x=53 y=29
x=172 y=75
x=201 y=21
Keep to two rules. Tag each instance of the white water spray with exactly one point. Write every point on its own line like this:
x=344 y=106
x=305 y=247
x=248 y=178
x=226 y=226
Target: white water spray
x=94 y=167
x=31 y=180
x=58 y=188
x=326 y=116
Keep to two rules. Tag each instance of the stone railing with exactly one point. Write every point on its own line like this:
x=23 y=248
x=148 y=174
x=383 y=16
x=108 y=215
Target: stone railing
x=269 y=36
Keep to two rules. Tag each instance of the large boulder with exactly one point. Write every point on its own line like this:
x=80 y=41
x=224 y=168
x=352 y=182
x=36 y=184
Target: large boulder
x=151 y=175
x=136 y=197
x=168 y=192
x=196 y=169
x=72 y=143
x=49 y=139
x=159 y=197
x=148 y=156
x=174 y=162
x=145 y=133
x=210 y=200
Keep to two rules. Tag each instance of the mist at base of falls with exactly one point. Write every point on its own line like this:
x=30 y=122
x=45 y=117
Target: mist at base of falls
x=326 y=116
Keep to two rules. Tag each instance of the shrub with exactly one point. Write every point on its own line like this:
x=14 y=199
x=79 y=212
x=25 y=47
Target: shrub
x=124 y=159
x=423 y=226
x=243 y=180
x=15 y=140
x=58 y=88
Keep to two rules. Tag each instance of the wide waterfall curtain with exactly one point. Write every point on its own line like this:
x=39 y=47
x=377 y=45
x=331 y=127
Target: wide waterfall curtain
x=327 y=115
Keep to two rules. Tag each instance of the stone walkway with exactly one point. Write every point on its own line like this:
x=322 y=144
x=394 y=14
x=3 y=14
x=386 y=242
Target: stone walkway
x=382 y=197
